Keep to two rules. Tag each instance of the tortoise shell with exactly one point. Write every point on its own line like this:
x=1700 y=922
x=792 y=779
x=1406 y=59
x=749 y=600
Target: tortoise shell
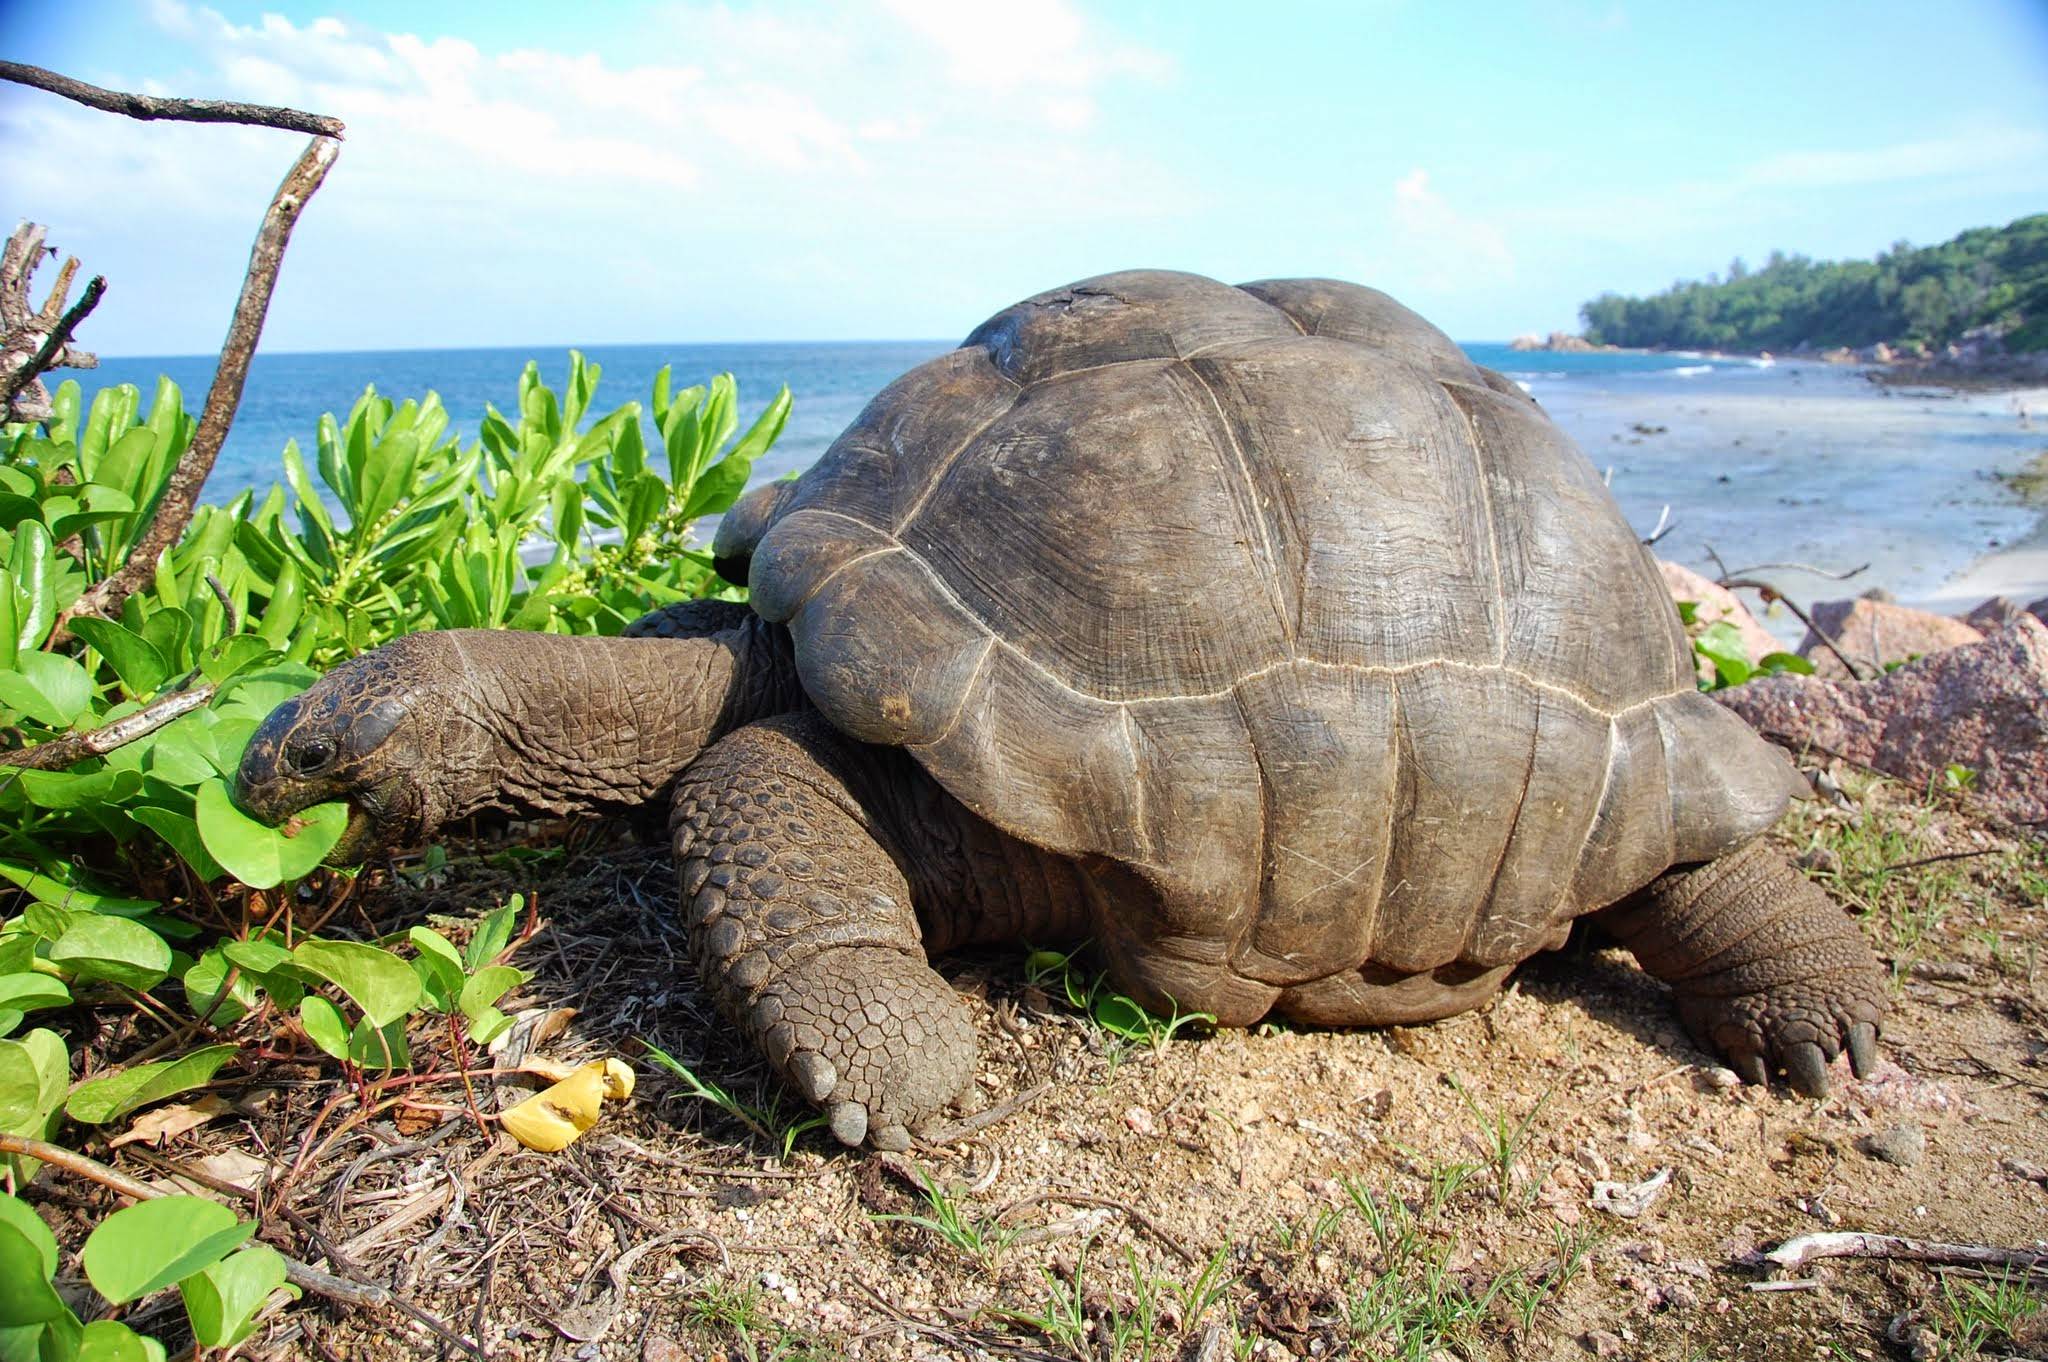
x=1270 y=596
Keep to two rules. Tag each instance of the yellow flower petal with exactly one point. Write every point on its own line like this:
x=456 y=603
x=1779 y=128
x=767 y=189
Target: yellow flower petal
x=553 y=1118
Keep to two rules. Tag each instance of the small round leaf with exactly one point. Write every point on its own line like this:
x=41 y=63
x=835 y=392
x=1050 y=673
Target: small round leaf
x=153 y=1244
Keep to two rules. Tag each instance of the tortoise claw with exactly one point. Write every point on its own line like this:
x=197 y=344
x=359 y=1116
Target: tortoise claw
x=849 y=1121
x=1807 y=1067
x=1862 y=1049
x=1749 y=1067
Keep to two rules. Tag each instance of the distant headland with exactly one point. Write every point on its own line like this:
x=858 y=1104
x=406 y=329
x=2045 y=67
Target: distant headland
x=1973 y=308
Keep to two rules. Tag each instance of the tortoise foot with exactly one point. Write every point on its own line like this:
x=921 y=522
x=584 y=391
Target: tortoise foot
x=1768 y=971
x=872 y=1037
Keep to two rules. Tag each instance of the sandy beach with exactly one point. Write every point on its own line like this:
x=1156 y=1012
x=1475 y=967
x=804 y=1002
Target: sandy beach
x=1814 y=465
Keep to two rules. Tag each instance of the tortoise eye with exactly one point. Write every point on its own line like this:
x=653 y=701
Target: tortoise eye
x=307 y=757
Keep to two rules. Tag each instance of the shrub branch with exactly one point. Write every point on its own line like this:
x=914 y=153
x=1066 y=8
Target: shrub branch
x=149 y=107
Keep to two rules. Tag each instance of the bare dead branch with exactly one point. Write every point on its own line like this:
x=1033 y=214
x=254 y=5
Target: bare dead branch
x=1801 y=567
x=181 y=493
x=48 y=356
x=72 y=748
x=148 y=107
x=1732 y=582
x=1797 y=1253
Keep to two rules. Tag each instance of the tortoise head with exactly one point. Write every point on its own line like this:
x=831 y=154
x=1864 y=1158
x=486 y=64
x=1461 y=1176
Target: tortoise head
x=376 y=732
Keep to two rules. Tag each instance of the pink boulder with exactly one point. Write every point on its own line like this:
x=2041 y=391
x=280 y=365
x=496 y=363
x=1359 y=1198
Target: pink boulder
x=1994 y=614
x=1983 y=705
x=1875 y=634
x=1717 y=603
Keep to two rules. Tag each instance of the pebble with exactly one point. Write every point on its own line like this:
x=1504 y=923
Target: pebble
x=1601 y=1343
x=1903 y=1145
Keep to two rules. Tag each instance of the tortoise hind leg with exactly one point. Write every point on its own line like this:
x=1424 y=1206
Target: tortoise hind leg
x=1767 y=969
x=803 y=931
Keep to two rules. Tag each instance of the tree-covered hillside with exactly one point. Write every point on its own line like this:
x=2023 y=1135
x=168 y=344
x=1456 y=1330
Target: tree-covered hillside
x=1988 y=276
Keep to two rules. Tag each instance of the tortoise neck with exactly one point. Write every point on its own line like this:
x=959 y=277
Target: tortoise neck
x=571 y=725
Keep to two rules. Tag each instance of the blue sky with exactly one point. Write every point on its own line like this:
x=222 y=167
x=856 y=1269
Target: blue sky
x=553 y=174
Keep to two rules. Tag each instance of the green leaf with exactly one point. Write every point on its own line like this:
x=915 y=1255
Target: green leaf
x=439 y=967
x=99 y=947
x=99 y=1100
x=109 y=1340
x=324 y=1025
x=30 y=992
x=209 y=994
x=493 y=934
x=71 y=897
x=1776 y=664
x=264 y=857
x=1721 y=644
x=1120 y=1015
x=487 y=985
x=380 y=1048
x=16 y=1212
x=48 y=687
x=152 y=1244
x=222 y=1300
x=26 y=1296
x=34 y=1072
x=33 y=564
x=487 y=1025
x=80 y=790
x=241 y=652
x=183 y=835
x=375 y=980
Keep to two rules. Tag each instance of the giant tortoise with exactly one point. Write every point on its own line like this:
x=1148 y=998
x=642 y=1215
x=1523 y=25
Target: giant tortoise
x=1254 y=633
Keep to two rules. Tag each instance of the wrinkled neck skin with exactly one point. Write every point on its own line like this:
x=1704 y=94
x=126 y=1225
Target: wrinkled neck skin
x=546 y=724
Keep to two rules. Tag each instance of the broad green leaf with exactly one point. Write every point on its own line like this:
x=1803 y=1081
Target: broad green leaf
x=48 y=687
x=35 y=588
x=222 y=1300
x=26 y=1296
x=1777 y=663
x=242 y=652
x=16 y=1212
x=109 y=1340
x=75 y=790
x=487 y=985
x=96 y=946
x=487 y=1025
x=135 y=659
x=57 y=893
x=1722 y=645
x=439 y=966
x=380 y=1048
x=264 y=857
x=324 y=1025
x=99 y=1100
x=182 y=833
x=375 y=980
x=28 y=992
x=34 y=1072
x=152 y=1244
x=208 y=992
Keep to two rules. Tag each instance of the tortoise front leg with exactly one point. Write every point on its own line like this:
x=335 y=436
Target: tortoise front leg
x=1768 y=970
x=803 y=931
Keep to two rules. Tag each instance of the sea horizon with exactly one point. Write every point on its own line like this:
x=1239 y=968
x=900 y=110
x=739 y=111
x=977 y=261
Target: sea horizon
x=1757 y=460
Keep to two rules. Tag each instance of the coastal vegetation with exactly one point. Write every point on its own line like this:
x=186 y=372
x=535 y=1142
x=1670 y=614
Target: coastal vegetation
x=1989 y=280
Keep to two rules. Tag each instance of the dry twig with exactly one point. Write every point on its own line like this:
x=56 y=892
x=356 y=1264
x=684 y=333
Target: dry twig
x=340 y=1289
x=1797 y=1253
x=35 y=340
x=72 y=748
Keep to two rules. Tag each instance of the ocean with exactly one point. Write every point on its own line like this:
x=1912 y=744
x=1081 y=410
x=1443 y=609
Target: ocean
x=1757 y=462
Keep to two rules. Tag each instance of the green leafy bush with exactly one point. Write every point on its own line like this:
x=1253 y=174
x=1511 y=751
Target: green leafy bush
x=1720 y=646
x=129 y=879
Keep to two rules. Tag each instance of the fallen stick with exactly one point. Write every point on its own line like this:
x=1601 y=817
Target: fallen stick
x=1796 y=1253
x=73 y=748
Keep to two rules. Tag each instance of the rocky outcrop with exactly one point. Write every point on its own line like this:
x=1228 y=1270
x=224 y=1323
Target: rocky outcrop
x=1874 y=634
x=1983 y=706
x=1716 y=603
x=1996 y=613
x=1563 y=341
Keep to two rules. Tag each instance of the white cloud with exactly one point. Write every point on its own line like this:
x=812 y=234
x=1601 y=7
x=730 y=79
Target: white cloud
x=1445 y=250
x=1023 y=43
x=1923 y=158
